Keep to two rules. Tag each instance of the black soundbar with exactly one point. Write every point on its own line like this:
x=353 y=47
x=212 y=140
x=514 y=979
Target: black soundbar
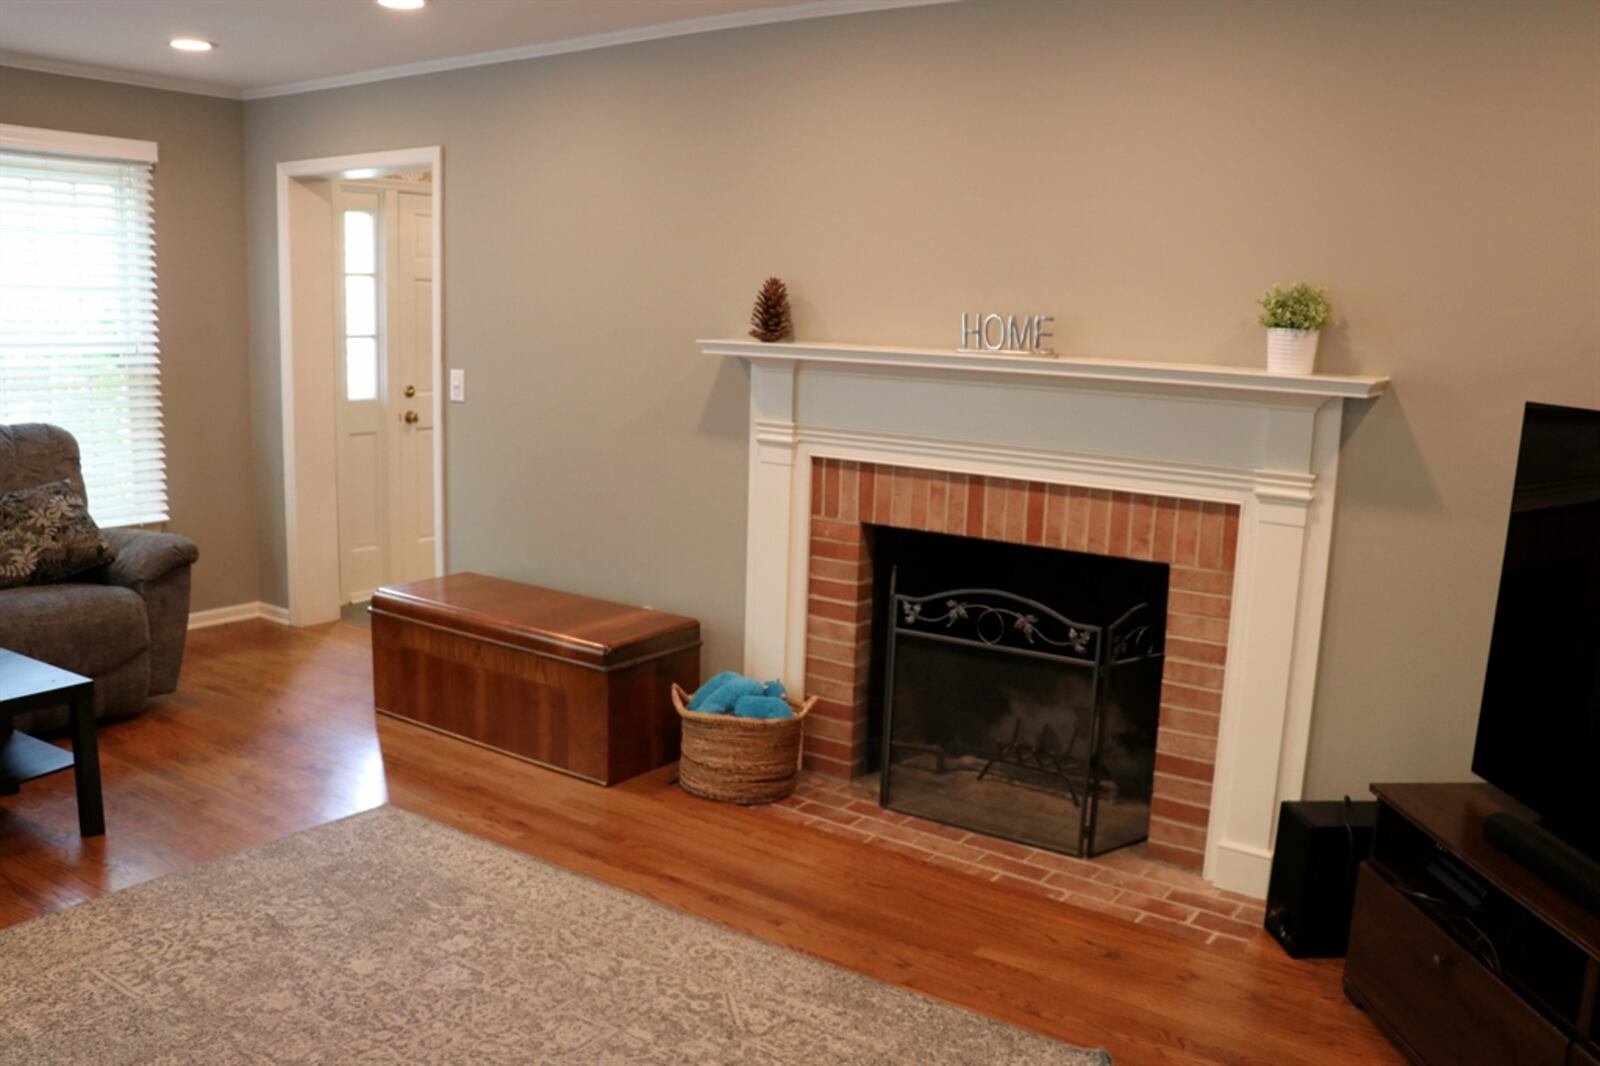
x=1569 y=870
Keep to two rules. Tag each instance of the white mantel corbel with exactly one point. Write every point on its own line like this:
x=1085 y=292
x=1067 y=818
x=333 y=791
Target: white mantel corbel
x=1266 y=443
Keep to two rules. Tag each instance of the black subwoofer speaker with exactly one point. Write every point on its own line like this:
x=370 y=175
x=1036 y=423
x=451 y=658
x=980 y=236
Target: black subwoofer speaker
x=1320 y=844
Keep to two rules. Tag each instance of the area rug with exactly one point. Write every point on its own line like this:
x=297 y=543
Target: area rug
x=388 y=938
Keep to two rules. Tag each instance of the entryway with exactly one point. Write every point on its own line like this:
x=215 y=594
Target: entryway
x=359 y=291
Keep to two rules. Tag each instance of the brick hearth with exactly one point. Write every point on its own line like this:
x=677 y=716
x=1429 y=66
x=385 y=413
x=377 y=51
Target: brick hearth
x=1122 y=883
x=1197 y=539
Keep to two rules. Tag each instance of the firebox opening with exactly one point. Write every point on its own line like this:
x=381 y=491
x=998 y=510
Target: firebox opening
x=1015 y=690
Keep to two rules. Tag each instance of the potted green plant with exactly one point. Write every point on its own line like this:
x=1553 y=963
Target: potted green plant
x=1294 y=319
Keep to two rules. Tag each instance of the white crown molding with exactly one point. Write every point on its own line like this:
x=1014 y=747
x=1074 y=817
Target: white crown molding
x=733 y=20
x=42 y=65
x=812 y=9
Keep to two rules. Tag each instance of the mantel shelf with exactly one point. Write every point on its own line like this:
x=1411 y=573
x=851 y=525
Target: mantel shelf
x=1180 y=376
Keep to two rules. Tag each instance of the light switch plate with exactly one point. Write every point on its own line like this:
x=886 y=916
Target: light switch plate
x=458 y=386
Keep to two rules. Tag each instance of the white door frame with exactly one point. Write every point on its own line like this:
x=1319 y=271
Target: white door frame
x=310 y=504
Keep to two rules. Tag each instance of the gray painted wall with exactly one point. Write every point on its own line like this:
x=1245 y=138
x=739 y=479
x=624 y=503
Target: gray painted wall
x=205 y=365
x=1143 y=170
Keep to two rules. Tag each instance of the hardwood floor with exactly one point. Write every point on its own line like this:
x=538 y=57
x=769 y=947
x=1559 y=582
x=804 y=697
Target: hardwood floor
x=274 y=732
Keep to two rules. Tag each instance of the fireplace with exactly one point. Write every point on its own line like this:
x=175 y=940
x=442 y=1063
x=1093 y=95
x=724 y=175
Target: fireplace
x=1227 y=474
x=863 y=516
x=1017 y=689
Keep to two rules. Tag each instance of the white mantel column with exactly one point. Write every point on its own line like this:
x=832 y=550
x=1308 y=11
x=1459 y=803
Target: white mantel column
x=768 y=532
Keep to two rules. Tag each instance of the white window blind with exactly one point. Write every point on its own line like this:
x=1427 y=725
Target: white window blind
x=78 y=337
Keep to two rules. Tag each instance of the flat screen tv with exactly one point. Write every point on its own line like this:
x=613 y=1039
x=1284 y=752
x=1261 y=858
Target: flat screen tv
x=1539 y=727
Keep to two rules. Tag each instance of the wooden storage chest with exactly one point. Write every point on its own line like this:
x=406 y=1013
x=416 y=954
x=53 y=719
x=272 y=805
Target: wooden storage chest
x=573 y=683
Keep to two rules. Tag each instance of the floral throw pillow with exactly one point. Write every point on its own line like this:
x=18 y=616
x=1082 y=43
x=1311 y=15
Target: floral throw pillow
x=46 y=534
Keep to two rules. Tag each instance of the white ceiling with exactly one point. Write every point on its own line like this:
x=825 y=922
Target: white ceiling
x=270 y=47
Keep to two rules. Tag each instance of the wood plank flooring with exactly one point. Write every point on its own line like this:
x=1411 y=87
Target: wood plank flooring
x=274 y=732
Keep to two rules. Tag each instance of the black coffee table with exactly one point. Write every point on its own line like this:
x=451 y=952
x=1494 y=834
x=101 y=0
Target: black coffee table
x=30 y=685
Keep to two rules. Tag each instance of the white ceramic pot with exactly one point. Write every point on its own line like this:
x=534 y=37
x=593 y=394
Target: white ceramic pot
x=1291 y=351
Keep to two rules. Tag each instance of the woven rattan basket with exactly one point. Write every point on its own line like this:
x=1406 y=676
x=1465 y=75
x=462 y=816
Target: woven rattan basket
x=739 y=760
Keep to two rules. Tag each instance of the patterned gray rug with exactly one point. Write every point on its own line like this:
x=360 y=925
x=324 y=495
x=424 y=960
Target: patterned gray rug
x=388 y=938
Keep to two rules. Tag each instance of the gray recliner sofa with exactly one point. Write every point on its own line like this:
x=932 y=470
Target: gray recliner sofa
x=122 y=624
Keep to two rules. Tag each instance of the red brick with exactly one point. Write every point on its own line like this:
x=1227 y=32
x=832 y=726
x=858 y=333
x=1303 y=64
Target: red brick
x=831 y=814
x=1031 y=887
x=1033 y=533
x=1187 y=813
x=849 y=476
x=1231 y=926
x=1121 y=518
x=1183 y=720
x=1141 y=526
x=900 y=514
x=1077 y=519
x=1230 y=538
x=1208 y=552
x=1173 y=854
x=1016 y=528
x=1196 y=651
x=918 y=516
x=832 y=749
x=1187 y=535
x=1083 y=886
x=828 y=689
x=818 y=470
x=977 y=494
x=830 y=530
x=1016 y=869
x=1184 y=789
x=833 y=729
x=840 y=591
x=994 y=509
x=1185 y=745
x=828 y=549
x=859 y=612
x=1203 y=901
x=866 y=484
x=1177 y=929
x=1194 y=627
x=1191 y=579
x=825 y=708
x=815 y=763
x=1166 y=524
x=1190 y=767
x=834 y=651
x=1195 y=699
x=1055 y=516
x=956 y=521
x=1170 y=832
x=828 y=629
x=848 y=674
x=1179 y=602
x=1099 y=522
x=938 y=502
x=1195 y=674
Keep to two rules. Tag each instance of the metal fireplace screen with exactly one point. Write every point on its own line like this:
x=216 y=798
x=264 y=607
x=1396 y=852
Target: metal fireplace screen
x=1005 y=717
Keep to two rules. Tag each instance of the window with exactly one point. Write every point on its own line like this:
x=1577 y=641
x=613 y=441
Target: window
x=78 y=341
x=360 y=305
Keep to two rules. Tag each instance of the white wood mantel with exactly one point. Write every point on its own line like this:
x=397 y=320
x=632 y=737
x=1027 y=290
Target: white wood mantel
x=1267 y=443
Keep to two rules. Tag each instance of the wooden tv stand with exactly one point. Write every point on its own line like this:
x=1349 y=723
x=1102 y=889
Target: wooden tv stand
x=1461 y=954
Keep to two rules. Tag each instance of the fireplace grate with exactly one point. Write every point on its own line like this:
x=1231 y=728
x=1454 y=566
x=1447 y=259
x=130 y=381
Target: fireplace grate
x=987 y=679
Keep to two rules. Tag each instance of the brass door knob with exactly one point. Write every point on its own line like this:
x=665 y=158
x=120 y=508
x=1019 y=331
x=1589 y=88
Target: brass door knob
x=409 y=417
x=411 y=390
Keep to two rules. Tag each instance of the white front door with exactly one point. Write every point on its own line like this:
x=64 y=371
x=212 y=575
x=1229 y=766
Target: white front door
x=412 y=386
x=384 y=247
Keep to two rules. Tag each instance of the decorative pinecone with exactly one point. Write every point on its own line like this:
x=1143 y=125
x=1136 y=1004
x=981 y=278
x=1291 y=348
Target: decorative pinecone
x=770 y=317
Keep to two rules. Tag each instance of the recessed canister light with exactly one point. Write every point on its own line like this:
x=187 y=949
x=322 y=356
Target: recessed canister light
x=191 y=44
x=403 y=5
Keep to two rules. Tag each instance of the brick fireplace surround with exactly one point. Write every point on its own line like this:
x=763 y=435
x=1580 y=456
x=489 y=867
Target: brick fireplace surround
x=1198 y=540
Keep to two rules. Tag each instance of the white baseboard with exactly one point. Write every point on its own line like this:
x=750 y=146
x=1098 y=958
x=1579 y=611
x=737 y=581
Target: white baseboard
x=239 y=612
